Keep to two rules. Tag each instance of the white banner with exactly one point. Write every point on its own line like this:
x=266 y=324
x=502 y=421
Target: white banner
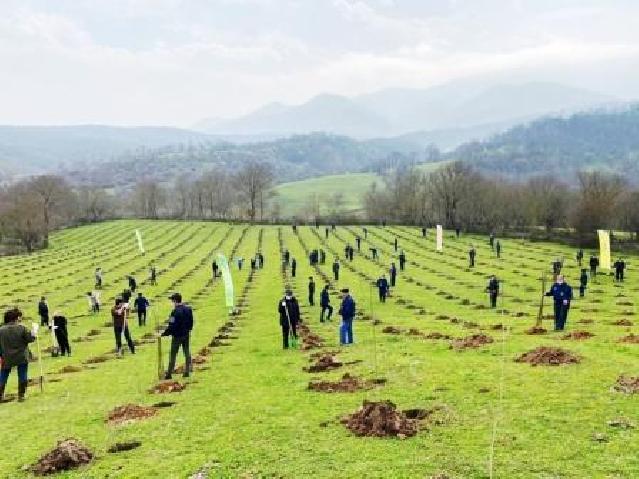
x=440 y=238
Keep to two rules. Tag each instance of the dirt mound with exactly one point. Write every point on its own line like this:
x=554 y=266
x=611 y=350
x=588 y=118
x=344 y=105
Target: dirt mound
x=414 y=332
x=130 y=412
x=347 y=384
x=148 y=336
x=216 y=343
x=627 y=384
x=437 y=335
x=94 y=332
x=586 y=321
x=310 y=340
x=68 y=454
x=380 y=419
x=622 y=322
x=70 y=369
x=391 y=330
x=547 y=356
x=631 y=339
x=96 y=360
x=123 y=446
x=536 y=330
x=470 y=342
x=497 y=327
x=167 y=387
x=164 y=404
x=578 y=335
x=325 y=362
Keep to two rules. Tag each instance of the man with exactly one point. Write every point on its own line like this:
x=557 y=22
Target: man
x=594 y=263
x=395 y=244
x=61 y=333
x=351 y=253
x=561 y=293
x=260 y=257
x=14 y=349
x=491 y=240
x=326 y=233
x=287 y=257
x=253 y=264
x=141 y=304
x=620 y=267
x=294 y=228
x=498 y=249
x=179 y=328
x=583 y=283
x=556 y=267
x=472 y=253
x=322 y=256
x=98 y=278
x=311 y=291
x=120 y=313
x=132 y=283
x=347 y=312
x=240 y=263
x=289 y=311
x=293 y=267
x=493 y=290
x=336 y=270
x=346 y=250
x=358 y=240
x=424 y=232
x=457 y=232
x=94 y=303
x=365 y=233
x=374 y=252
x=43 y=311
x=402 y=260
x=382 y=286
x=580 y=256
x=126 y=296
x=325 y=303
x=216 y=268
x=153 y=276
x=393 y=274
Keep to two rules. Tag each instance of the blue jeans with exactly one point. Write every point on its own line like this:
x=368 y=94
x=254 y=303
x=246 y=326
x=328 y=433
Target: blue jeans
x=22 y=374
x=346 y=331
x=561 y=315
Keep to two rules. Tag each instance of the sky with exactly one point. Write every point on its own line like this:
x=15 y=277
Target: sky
x=174 y=62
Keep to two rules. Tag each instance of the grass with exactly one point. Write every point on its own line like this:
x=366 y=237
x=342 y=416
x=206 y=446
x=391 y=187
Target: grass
x=249 y=414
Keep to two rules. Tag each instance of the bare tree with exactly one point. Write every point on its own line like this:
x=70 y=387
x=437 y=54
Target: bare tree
x=148 y=198
x=597 y=200
x=51 y=192
x=547 y=200
x=253 y=182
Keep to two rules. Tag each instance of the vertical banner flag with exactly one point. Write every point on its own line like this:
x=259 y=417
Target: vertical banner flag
x=228 y=280
x=604 y=249
x=440 y=238
x=138 y=235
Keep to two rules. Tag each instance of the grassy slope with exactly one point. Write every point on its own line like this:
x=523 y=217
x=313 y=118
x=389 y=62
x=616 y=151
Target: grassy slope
x=249 y=414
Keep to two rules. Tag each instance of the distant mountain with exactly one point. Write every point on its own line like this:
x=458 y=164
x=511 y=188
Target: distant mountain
x=605 y=139
x=398 y=111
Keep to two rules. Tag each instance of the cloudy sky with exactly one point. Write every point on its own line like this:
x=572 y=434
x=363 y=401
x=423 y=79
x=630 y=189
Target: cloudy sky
x=174 y=62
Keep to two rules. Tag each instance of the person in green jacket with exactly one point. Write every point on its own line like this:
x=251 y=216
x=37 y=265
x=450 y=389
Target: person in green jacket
x=14 y=349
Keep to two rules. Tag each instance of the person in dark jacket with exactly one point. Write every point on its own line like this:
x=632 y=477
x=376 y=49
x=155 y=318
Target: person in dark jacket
x=179 y=328
x=583 y=282
x=358 y=240
x=293 y=267
x=457 y=232
x=365 y=233
x=141 y=304
x=98 y=278
x=126 y=295
x=395 y=245
x=402 y=260
x=153 y=276
x=347 y=312
x=491 y=241
x=120 y=313
x=493 y=290
x=289 y=312
x=594 y=264
x=382 y=287
x=311 y=291
x=61 y=333
x=326 y=233
x=620 y=268
x=561 y=293
x=43 y=311
x=260 y=258
x=472 y=253
x=287 y=257
x=498 y=248
x=424 y=232
x=325 y=303
x=322 y=256
x=14 y=351
x=215 y=268
x=580 y=256
x=556 y=267
x=336 y=270
x=393 y=275
x=132 y=284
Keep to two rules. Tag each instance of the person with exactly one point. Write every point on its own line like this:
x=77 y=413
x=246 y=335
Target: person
x=472 y=253
x=289 y=316
x=179 y=328
x=14 y=350
x=424 y=232
x=347 y=312
x=395 y=244
x=493 y=290
x=141 y=305
x=293 y=267
x=153 y=276
x=374 y=252
x=43 y=311
x=126 y=296
x=491 y=240
x=326 y=233
x=336 y=270
x=393 y=275
x=61 y=333
x=498 y=248
x=365 y=233
x=556 y=267
x=594 y=263
x=311 y=291
x=561 y=293
x=98 y=278
x=580 y=256
x=240 y=263
x=583 y=282
x=132 y=283
x=620 y=267
x=402 y=260
x=261 y=259
x=253 y=264
x=333 y=226
x=346 y=251
x=457 y=232
x=358 y=240
x=322 y=256
x=294 y=228
x=216 y=268
x=325 y=303
x=287 y=257
x=351 y=253
x=382 y=286
x=119 y=313
x=94 y=303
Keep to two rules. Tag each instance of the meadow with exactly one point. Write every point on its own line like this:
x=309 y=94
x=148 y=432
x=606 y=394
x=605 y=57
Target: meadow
x=247 y=411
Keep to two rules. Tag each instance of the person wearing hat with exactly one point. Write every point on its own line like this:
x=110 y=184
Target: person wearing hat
x=14 y=350
x=61 y=333
x=347 y=312
x=289 y=311
x=179 y=328
x=120 y=313
x=561 y=292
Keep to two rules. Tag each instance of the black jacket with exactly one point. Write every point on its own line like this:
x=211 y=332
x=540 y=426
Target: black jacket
x=289 y=311
x=43 y=309
x=180 y=321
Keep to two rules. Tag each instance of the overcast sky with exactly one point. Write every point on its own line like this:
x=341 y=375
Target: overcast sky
x=174 y=62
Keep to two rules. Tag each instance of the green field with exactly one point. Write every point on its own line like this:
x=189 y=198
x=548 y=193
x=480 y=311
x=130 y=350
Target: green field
x=247 y=411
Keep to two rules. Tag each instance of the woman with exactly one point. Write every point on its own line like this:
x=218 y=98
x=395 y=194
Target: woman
x=119 y=313
x=61 y=334
x=14 y=342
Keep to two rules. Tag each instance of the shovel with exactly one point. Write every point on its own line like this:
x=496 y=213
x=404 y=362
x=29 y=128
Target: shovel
x=294 y=343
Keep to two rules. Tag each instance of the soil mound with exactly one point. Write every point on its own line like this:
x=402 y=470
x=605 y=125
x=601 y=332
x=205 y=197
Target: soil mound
x=347 y=384
x=70 y=369
x=167 y=387
x=536 y=330
x=130 y=412
x=437 y=335
x=622 y=322
x=547 y=356
x=68 y=454
x=380 y=419
x=123 y=446
x=578 y=335
x=470 y=342
x=325 y=362
x=631 y=339
x=94 y=332
x=391 y=330
x=414 y=332
x=627 y=384
x=96 y=360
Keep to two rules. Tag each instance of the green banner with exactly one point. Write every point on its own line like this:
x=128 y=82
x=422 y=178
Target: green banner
x=228 y=280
